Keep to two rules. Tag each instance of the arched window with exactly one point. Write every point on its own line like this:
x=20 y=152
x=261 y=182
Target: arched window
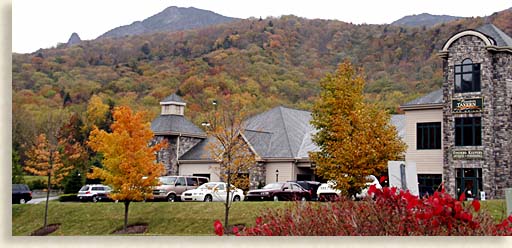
x=467 y=77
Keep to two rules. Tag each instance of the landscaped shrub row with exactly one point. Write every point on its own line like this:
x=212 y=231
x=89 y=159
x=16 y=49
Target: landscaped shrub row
x=390 y=212
x=68 y=198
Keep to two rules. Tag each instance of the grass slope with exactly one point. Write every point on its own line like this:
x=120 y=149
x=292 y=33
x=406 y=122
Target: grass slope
x=164 y=218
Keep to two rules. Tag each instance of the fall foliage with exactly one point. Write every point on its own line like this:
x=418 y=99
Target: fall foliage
x=268 y=62
x=355 y=138
x=45 y=158
x=229 y=147
x=128 y=161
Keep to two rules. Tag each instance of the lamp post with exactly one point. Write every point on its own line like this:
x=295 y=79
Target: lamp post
x=277 y=175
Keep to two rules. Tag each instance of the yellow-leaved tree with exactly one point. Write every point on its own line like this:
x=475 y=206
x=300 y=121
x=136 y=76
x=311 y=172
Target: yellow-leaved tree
x=355 y=138
x=229 y=148
x=129 y=165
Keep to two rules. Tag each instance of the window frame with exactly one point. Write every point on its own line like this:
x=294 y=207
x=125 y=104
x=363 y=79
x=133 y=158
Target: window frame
x=460 y=70
x=475 y=131
x=423 y=132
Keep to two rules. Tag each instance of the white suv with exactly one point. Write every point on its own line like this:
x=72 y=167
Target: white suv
x=94 y=192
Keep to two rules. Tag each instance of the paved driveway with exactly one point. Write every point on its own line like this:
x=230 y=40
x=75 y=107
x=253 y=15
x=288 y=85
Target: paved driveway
x=38 y=200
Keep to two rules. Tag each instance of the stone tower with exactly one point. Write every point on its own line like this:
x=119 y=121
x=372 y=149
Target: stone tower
x=180 y=133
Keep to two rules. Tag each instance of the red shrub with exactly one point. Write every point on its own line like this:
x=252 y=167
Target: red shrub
x=391 y=212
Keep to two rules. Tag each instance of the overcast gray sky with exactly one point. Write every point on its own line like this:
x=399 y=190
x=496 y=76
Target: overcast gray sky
x=43 y=23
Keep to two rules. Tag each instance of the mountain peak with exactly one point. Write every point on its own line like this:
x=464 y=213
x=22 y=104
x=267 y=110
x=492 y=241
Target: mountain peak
x=171 y=19
x=73 y=40
x=424 y=19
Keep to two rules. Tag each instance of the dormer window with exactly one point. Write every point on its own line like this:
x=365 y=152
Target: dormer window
x=467 y=77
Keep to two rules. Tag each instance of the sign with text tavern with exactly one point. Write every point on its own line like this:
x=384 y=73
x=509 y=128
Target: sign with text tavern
x=467 y=105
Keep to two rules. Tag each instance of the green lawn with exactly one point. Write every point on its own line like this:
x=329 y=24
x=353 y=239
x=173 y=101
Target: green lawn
x=34 y=178
x=497 y=209
x=164 y=218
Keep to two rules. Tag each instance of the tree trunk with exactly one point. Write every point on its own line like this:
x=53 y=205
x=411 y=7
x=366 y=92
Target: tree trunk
x=48 y=192
x=126 y=205
x=226 y=214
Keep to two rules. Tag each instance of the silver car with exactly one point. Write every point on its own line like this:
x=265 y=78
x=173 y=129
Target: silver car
x=94 y=192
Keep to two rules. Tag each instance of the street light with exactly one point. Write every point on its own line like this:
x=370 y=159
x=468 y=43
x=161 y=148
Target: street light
x=205 y=124
x=277 y=175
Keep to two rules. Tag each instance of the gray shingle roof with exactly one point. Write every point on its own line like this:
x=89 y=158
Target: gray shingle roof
x=435 y=97
x=502 y=39
x=200 y=151
x=287 y=127
x=280 y=133
x=173 y=124
x=399 y=122
x=173 y=98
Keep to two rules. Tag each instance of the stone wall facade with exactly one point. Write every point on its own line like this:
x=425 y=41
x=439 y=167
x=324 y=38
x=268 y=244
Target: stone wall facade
x=169 y=155
x=257 y=175
x=496 y=116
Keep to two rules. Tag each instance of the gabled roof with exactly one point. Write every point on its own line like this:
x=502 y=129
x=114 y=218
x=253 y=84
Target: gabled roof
x=433 y=98
x=173 y=98
x=280 y=133
x=174 y=125
x=199 y=151
x=502 y=39
x=286 y=131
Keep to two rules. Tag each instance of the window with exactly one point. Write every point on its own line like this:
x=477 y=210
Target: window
x=468 y=131
x=467 y=77
x=180 y=181
x=428 y=135
x=428 y=183
x=221 y=187
x=468 y=181
x=191 y=181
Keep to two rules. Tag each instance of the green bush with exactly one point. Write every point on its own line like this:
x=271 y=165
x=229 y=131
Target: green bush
x=37 y=184
x=73 y=182
x=67 y=197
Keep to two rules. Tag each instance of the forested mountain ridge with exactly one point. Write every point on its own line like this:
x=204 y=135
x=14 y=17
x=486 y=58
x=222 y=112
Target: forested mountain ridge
x=424 y=19
x=170 y=20
x=261 y=63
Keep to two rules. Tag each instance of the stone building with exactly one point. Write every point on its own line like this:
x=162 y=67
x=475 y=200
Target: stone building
x=462 y=133
x=181 y=134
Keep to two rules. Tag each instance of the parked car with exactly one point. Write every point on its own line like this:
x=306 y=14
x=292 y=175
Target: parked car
x=21 y=194
x=326 y=192
x=172 y=187
x=370 y=180
x=94 y=193
x=287 y=191
x=311 y=186
x=213 y=191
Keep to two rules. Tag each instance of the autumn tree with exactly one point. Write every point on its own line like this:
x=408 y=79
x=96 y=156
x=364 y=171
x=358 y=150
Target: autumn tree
x=44 y=156
x=128 y=161
x=44 y=159
x=355 y=138
x=229 y=148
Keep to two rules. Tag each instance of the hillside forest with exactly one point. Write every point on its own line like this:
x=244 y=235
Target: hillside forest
x=260 y=63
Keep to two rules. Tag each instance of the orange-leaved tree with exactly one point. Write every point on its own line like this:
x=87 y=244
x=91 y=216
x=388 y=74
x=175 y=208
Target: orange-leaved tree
x=44 y=159
x=355 y=138
x=129 y=165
